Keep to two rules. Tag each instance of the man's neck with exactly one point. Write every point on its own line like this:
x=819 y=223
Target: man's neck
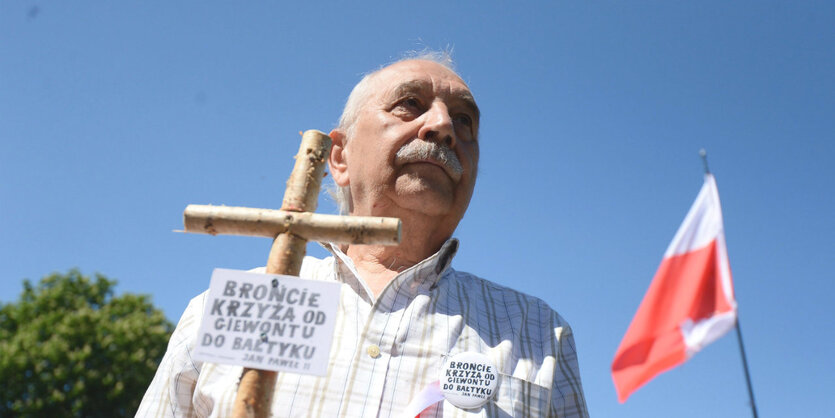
x=378 y=265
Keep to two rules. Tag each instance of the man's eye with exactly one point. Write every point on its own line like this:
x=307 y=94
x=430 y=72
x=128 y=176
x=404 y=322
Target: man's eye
x=464 y=119
x=410 y=102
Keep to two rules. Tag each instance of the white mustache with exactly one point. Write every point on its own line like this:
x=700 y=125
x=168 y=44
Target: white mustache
x=419 y=150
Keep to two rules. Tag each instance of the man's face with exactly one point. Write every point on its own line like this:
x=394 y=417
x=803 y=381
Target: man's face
x=414 y=105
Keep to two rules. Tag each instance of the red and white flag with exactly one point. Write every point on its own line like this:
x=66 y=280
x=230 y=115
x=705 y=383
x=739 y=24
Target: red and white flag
x=689 y=304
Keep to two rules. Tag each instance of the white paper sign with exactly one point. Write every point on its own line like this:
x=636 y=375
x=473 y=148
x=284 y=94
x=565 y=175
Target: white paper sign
x=268 y=322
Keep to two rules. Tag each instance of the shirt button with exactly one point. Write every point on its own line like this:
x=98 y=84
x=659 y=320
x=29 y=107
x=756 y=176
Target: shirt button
x=373 y=351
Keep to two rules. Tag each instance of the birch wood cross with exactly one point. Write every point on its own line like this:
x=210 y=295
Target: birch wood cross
x=291 y=228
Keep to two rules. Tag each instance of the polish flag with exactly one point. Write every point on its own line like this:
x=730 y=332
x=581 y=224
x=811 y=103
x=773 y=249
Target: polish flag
x=689 y=304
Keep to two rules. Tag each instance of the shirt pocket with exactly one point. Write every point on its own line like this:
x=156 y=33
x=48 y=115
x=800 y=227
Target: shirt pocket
x=519 y=398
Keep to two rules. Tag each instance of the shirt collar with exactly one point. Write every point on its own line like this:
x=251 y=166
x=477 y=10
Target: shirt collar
x=423 y=275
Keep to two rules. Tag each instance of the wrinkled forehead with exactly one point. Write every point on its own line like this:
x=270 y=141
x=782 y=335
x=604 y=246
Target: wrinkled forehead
x=421 y=73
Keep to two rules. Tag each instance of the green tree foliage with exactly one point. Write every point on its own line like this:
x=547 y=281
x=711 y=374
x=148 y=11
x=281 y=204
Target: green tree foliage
x=69 y=348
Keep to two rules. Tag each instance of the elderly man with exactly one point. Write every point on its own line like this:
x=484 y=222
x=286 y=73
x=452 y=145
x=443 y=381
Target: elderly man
x=406 y=147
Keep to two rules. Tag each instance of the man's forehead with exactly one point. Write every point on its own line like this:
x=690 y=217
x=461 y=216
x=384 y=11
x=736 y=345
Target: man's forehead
x=416 y=75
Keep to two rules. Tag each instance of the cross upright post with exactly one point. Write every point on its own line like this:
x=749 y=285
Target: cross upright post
x=291 y=227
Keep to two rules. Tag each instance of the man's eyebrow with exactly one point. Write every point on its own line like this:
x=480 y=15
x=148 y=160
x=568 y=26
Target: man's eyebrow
x=415 y=86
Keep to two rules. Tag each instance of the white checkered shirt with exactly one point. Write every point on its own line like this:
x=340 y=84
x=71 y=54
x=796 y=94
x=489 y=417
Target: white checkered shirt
x=425 y=314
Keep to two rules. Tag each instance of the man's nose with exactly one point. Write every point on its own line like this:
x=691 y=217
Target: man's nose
x=437 y=125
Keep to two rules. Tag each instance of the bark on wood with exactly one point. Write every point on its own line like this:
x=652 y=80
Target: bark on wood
x=229 y=220
x=302 y=192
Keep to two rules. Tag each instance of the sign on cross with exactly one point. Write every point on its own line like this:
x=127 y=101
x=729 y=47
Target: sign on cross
x=291 y=228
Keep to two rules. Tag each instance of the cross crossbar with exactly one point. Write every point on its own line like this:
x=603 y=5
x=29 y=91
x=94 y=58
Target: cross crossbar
x=231 y=220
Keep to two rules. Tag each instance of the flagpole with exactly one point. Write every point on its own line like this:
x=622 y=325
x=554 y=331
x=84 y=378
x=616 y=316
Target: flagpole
x=703 y=154
x=745 y=366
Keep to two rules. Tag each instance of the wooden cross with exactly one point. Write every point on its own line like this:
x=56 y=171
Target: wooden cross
x=290 y=229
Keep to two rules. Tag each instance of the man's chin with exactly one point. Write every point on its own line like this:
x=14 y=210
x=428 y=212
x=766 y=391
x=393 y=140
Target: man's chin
x=427 y=201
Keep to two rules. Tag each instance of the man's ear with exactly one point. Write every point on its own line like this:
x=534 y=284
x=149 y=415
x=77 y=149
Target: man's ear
x=337 y=160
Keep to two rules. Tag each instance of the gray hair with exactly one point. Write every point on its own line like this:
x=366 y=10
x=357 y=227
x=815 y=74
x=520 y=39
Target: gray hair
x=357 y=99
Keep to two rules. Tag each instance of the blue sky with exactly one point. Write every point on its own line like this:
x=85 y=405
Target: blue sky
x=115 y=116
